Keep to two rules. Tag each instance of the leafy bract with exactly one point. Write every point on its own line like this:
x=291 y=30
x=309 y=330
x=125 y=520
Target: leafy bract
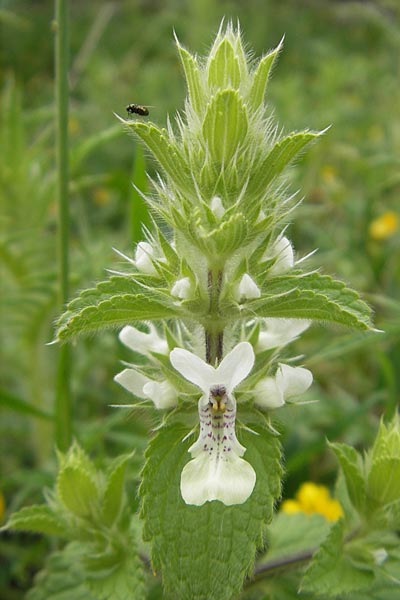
x=114 y=303
x=311 y=296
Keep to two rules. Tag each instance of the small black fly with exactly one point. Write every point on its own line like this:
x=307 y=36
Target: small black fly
x=137 y=109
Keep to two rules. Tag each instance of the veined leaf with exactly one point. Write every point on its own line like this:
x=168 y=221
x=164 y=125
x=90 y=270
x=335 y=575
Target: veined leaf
x=166 y=152
x=225 y=125
x=117 y=311
x=37 y=519
x=351 y=464
x=223 y=68
x=112 y=501
x=277 y=159
x=193 y=79
x=260 y=77
x=63 y=577
x=77 y=490
x=120 y=577
x=206 y=551
x=332 y=571
x=311 y=296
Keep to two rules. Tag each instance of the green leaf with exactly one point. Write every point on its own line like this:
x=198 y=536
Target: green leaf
x=205 y=552
x=113 y=494
x=260 y=77
x=351 y=464
x=383 y=484
x=117 y=311
x=77 y=490
x=165 y=151
x=37 y=519
x=63 y=577
x=223 y=69
x=225 y=125
x=332 y=572
x=311 y=296
x=193 y=79
x=123 y=580
x=290 y=534
x=277 y=159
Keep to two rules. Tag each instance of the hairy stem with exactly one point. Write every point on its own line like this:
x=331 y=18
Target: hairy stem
x=63 y=429
x=214 y=339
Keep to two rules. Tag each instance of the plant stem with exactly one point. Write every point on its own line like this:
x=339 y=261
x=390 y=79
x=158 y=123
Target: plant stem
x=63 y=433
x=214 y=339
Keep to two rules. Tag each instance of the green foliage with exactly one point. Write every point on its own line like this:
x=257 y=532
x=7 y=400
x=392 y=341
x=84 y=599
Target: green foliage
x=290 y=534
x=117 y=311
x=312 y=296
x=63 y=577
x=373 y=481
x=88 y=509
x=333 y=571
x=180 y=533
x=345 y=75
x=39 y=519
x=353 y=471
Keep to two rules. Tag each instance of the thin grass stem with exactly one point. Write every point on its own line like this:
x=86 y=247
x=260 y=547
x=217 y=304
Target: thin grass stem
x=62 y=410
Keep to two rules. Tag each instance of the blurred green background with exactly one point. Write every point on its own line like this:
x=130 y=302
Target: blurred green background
x=340 y=66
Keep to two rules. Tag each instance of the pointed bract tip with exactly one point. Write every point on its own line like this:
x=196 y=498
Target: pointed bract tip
x=177 y=42
x=280 y=45
x=124 y=121
x=53 y=343
x=323 y=131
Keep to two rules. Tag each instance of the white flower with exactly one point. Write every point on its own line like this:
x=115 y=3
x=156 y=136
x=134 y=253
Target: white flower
x=246 y=289
x=143 y=343
x=280 y=332
x=379 y=555
x=143 y=258
x=163 y=394
x=217 y=471
x=182 y=288
x=272 y=392
x=282 y=252
x=217 y=207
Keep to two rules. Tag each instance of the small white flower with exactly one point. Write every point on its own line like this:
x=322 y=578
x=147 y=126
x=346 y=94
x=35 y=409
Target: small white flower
x=379 y=555
x=217 y=471
x=282 y=252
x=163 y=394
x=246 y=289
x=143 y=258
x=217 y=207
x=182 y=288
x=143 y=343
x=272 y=392
x=280 y=332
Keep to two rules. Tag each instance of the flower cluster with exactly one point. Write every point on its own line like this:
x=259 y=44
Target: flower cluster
x=312 y=498
x=228 y=246
x=217 y=470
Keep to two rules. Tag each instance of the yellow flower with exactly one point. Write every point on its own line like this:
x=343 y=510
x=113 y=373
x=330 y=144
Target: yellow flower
x=313 y=498
x=384 y=226
x=101 y=196
x=329 y=173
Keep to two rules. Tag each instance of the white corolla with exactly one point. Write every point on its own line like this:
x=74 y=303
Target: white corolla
x=216 y=471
